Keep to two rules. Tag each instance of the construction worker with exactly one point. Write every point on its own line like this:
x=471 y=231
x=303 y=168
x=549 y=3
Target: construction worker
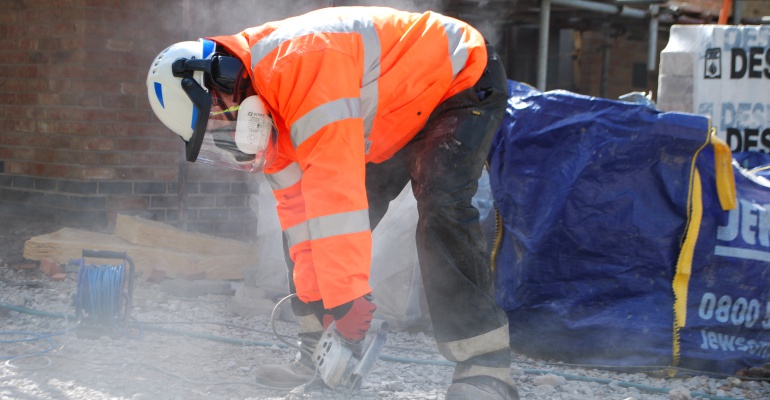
x=342 y=107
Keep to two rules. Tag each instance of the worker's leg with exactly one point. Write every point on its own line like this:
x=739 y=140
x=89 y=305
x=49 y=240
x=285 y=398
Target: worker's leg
x=446 y=161
x=384 y=182
x=301 y=370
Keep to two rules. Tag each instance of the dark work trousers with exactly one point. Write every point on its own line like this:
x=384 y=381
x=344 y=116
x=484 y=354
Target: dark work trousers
x=444 y=162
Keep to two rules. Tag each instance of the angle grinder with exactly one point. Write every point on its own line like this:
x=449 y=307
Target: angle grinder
x=343 y=365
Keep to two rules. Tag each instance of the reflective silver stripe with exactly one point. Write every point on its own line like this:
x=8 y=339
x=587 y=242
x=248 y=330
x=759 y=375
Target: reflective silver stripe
x=466 y=371
x=287 y=177
x=372 y=55
x=363 y=26
x=370 y=92
x=369 y=101
x=339 y=224
x=462 y=350
x=317 y=118
x=297 y=234
x=458 y=49
x=309 y=324
x=328 y=226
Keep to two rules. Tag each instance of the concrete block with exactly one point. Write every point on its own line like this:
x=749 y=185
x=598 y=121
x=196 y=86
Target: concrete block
x=247 y=307
x=186 y=288
x=250 y=292
x=181 y=288
x=72 y=266
x=214 y=287
x=59 y=277
x=677 y=64
x=675 y=94
x=250 y=276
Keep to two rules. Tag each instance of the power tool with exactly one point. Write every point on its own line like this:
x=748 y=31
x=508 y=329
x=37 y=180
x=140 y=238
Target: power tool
x=343 y=365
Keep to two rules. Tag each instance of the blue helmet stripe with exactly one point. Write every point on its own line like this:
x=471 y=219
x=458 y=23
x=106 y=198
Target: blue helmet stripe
x=194 y=118
x=159 y=93
x=208 y=48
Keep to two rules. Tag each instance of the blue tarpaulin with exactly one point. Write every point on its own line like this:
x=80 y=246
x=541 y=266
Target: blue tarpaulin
x=596 y=197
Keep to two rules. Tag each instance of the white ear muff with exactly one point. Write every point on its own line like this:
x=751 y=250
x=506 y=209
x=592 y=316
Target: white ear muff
x=254 y=126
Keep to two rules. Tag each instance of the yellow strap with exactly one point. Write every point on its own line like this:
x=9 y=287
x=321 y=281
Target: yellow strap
x=723 y=167
x=684 y=263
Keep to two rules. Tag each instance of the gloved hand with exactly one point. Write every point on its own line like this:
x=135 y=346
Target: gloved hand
x=354 y=318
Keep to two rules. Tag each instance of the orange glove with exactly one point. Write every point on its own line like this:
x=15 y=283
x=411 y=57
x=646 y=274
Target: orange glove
x=353 y=318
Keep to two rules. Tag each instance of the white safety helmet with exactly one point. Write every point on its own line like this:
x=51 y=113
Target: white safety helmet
x=199 y=93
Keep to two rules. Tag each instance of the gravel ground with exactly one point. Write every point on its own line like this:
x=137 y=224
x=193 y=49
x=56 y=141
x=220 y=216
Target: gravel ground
x=193 y=348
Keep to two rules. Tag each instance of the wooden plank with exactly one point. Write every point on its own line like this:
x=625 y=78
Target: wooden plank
x=144 y=232
x=67 y=244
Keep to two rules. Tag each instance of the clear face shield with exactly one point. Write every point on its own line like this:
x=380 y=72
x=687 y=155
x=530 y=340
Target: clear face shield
x=238 y=136
x=227 y=132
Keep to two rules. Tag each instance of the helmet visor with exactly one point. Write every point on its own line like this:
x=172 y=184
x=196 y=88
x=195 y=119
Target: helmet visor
x=238 y=136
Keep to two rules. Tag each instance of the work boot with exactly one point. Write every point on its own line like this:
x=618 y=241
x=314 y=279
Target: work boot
x=298 y=372
x=481 y=388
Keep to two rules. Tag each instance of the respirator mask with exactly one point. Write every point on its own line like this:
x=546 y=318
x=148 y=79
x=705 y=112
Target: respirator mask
x=238 y=136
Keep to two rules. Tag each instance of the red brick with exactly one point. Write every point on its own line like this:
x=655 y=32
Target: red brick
x=11 y=138
x=8 y=18
x=79 y=128
x=32 y=154
x=119 y=101
x=67 y=28
x=119 y=45
x=26 y=98
x=98 y=173
x=58 y=171
x=36 y=140
x=25 y=168
x=117 y=130
x=134 y=203
x=134 y=116
x=99 y=143
x=50 y=267
x=24 y=126
x=133 y=88
x=26 y=266
x=134 y=173
x=133 y=144
x=166 y=174
x=59 y=277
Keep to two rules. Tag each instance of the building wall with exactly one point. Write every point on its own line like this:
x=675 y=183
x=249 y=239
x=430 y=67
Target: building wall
x=78 y=140
x=79 y=143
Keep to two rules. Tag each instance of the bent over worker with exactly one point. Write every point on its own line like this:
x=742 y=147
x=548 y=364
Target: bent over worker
x=342 y=107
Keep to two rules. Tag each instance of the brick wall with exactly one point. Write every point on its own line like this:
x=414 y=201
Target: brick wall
x=78 y=141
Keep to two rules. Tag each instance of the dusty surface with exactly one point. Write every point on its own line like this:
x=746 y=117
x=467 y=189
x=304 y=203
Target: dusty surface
x=193 y=348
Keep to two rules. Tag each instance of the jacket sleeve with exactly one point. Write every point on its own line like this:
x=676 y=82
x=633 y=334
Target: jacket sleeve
x=325 y=214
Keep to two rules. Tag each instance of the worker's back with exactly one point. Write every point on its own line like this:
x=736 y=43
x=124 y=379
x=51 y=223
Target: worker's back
x=390 y=67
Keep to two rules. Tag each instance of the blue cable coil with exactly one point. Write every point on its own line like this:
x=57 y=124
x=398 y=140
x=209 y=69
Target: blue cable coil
x=100 y=292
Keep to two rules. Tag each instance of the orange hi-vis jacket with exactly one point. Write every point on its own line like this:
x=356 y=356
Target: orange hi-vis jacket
x=346 y=86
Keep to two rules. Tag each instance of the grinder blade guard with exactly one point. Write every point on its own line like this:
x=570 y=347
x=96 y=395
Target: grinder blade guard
x=344 y=365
